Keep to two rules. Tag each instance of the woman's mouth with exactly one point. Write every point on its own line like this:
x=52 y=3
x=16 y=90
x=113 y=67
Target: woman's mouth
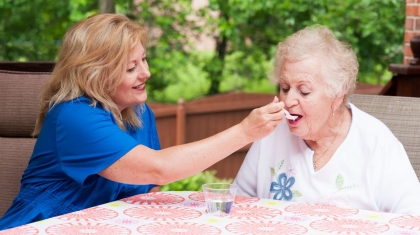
x=140 y=87
x=296 y=120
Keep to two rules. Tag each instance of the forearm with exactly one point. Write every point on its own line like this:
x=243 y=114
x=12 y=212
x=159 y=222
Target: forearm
x=185 y=160
x=143 y=165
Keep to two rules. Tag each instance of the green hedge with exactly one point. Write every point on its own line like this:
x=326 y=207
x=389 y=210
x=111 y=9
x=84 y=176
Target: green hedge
x=194 y=182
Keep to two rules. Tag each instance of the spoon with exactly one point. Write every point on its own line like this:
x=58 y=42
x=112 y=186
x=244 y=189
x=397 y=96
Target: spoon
x=288 y=116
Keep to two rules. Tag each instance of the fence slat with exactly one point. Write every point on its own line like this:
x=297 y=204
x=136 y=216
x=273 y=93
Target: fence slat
x=180 y=123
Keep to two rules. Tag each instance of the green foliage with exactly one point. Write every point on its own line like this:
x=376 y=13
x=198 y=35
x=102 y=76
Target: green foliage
x=194 y=182
x=244 y=71
x=246 y=34
x=188 y=80
x=373 y=28
x=170 y=33
x=31 y=30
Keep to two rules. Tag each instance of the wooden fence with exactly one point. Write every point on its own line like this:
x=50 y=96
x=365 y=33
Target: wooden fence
x=201 y=118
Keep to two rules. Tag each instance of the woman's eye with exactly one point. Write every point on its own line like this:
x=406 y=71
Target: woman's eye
x=132 y=69
x=144 y=59
x=285 y=90
x=305 y=93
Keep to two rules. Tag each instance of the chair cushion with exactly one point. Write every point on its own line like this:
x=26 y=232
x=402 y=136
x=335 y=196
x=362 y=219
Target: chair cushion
x=401 y=115
x=15 y=154
x=19 y=101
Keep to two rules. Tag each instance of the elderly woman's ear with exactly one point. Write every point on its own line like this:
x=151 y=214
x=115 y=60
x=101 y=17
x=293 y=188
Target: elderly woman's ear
x=337 y=102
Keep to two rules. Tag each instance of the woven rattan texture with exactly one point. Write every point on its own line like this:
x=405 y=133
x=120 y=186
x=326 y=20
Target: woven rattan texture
x=19 y=102
x=14 y=158
x=401 y=115
x=19 y=109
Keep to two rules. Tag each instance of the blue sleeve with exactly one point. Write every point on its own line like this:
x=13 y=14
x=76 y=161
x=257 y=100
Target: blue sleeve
x=153 y=133
x=147 y=135
x=89 y=140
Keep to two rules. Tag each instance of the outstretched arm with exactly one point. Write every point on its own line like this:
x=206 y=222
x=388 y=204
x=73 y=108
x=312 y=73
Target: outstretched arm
x=143 y=165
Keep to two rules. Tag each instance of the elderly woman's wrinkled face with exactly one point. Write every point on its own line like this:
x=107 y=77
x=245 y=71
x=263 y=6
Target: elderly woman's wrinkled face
x=132 y=89
x=303 y=91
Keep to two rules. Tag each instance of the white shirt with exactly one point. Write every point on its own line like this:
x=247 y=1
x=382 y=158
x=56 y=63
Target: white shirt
x=370 y=170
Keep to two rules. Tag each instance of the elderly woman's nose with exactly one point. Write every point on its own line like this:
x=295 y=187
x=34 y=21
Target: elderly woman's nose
x=290 y=100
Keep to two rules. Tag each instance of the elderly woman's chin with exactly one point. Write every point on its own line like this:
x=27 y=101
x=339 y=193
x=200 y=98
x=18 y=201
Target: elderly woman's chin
x=297 y=130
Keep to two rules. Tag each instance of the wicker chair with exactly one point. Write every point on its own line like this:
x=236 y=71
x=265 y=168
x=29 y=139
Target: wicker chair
x=401 y=115
x=19 y=108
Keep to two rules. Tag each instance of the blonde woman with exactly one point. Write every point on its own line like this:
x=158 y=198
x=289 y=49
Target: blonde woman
x=97 y=139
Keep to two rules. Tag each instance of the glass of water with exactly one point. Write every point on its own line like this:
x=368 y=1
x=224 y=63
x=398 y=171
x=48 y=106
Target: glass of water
x=219 y=198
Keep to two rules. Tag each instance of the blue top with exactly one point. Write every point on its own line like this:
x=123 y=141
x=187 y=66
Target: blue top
x=76 y=142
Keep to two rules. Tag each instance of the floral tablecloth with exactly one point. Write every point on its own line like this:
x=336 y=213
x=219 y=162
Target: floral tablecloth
x=185 y=213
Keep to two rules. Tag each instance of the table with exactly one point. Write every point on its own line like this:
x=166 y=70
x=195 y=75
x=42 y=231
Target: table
x=185 y=213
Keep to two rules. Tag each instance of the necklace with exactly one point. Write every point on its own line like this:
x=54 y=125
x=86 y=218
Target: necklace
x=315 y=161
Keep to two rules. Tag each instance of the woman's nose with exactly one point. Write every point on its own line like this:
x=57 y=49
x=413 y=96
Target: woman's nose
x=290 y=99
x=144 y=73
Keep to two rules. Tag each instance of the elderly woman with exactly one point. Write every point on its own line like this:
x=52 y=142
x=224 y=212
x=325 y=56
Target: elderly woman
x=332 y=153
x=97 y=139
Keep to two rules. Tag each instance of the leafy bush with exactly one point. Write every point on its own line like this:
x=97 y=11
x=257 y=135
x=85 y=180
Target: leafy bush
x=194 y=182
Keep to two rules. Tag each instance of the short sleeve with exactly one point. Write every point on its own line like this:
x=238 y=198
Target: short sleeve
x=246 y=180
x=89 y=140
x=147 y=135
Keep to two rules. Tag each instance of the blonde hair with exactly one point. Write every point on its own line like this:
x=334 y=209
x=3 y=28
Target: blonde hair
x=339 y=62
x=92 y=62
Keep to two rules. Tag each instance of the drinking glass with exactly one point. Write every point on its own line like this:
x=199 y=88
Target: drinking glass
x=219 y=198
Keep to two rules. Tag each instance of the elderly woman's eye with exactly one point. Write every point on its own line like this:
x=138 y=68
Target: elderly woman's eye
x=285 y=89
x=305 y=93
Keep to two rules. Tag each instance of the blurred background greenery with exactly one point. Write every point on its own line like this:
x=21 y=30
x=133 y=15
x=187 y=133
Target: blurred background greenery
x=195 y=182
x=244 y=32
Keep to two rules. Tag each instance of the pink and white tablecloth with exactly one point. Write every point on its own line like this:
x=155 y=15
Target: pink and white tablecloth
x=185 y=213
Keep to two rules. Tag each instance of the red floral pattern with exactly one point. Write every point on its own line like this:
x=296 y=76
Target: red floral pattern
x=320 y=210
x=295 y=218
x=184 y=214
x=248 y=212
x=90 y=214
x=349 y=226
x=127 y=221
x=194 y=204
x=87 y=229
x=177 y=228
x=156 y=198
x=25 y=229
x=162 y=213
x=244 y=199
x=265 y=227
x=407 y=222
x=197 y=196
x=238 y=199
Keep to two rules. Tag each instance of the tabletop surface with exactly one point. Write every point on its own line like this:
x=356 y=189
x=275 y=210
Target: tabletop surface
x=185 y=213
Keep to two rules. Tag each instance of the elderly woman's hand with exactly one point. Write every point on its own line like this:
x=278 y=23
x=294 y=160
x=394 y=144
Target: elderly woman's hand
x=262 y=121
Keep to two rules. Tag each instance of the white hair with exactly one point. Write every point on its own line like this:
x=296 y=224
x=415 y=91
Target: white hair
x=339 y=62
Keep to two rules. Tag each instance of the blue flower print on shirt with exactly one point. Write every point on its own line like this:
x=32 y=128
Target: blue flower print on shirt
x=282 y=187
